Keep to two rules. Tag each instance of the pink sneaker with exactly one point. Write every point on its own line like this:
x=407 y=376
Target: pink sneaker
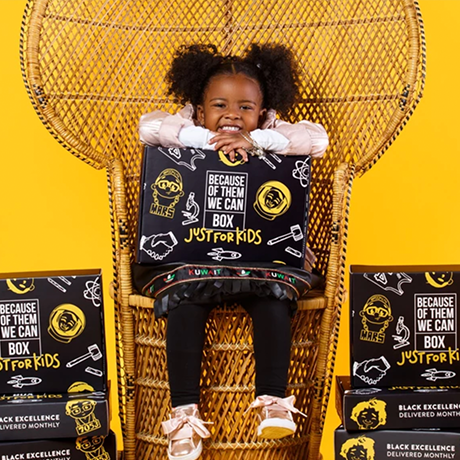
x=185 y=430
x=275 y=416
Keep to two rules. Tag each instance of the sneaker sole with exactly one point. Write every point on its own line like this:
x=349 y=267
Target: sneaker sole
x=276 y=429
x=191 y=456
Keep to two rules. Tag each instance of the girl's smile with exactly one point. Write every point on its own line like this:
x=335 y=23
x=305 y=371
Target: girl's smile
x=231 y=104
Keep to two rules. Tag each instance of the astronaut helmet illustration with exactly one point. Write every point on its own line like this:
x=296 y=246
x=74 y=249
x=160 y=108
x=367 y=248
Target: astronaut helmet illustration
x=272 y=199
x=66 y=322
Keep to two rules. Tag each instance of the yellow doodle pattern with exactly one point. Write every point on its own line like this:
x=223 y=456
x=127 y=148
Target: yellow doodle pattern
x=272 y=200
x=369 y=415
x=439 y=280
x=20 y=285
x=361 y=448
x=82 y=411
x=167 y=191
x=66 y=322
x=93 y=448
x=375 y=317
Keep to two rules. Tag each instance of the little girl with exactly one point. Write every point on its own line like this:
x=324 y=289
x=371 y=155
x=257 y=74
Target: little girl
x=231 y=107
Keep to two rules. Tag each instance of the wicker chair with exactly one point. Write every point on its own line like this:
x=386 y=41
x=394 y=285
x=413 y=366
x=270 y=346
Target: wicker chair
x=92 y=67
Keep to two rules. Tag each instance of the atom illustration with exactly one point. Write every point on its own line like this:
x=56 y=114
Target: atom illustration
x=93 y=292
x=302 y=172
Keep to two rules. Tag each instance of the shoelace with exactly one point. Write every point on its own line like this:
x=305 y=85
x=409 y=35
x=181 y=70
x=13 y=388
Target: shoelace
x=286 y=403
x=177 y=423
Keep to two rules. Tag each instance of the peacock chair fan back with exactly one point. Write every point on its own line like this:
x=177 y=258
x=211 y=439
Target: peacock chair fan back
x=93 y=67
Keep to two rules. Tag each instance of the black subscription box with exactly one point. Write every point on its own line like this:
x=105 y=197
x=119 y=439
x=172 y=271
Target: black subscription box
x=197 y=206
x=51 y=332
x=81 y=448
x=404 y=326
x=380 y=445
x=396 y=408
x=47 y=416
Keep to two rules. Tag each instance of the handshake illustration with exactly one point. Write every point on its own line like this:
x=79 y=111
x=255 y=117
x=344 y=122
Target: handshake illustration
x=158 y=246
x=372 y=370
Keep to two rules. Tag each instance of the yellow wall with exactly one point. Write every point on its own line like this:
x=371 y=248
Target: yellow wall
x=406 y=209
x=54 y=212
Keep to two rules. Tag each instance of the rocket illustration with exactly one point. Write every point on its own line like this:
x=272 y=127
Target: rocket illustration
x=433 y=374
x=18 y=381
x=220 y=254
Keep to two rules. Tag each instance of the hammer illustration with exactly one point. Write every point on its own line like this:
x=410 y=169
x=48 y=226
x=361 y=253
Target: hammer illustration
x=93 y=352
x=296 y=233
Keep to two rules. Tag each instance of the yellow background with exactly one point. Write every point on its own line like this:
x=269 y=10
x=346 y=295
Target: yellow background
x=54 y=212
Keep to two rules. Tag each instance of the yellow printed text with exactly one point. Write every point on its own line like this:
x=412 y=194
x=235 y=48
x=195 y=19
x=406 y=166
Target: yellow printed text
x=211 y=236
x=36 y=362
x=422 y=357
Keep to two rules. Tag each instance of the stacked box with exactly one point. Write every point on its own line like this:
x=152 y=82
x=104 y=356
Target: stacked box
x=402 y=398
x=88 y=448
x=404 y=326
x=397 y=407
x=52 y=332
x=43 y=416
x=383 y=444
x=53 y=374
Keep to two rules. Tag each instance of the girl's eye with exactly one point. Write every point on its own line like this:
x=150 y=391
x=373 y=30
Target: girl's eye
x=246 y=107
x=219 y=105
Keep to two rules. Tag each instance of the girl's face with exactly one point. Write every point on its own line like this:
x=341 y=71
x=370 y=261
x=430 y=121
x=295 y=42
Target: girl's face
x=231 y=103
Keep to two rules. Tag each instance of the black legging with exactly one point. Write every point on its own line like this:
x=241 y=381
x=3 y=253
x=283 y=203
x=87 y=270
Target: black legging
x=272 y=342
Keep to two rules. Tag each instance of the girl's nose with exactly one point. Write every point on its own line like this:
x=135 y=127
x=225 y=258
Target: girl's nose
x=233 y=113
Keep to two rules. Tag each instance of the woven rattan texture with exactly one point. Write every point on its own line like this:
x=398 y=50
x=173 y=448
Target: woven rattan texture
x=92 y=67
x=101 y=64
x=227 y=391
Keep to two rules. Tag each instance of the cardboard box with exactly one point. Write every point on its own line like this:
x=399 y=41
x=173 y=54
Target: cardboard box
x=396 y=408
x=380 y=445
x=47 y=416
x=82 y=448
x=404 y=326
x=197 y=206
x=52 y=332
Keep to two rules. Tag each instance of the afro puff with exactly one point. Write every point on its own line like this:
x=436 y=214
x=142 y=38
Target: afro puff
x=272 y=66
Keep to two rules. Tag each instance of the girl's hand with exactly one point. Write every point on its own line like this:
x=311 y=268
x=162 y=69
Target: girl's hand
x=231 y=144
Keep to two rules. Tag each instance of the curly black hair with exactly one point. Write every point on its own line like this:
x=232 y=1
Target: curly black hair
x=272 y=66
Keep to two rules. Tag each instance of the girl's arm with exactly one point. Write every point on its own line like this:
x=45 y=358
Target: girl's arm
x=304 y=138
x=162 y=128
x=277 y=136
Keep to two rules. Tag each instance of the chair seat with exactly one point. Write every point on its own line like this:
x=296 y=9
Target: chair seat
x=315 y=300
x=229 y=374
